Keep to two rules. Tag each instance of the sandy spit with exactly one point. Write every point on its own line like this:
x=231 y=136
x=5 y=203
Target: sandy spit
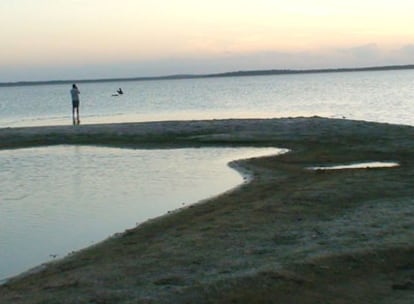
x=289 y=235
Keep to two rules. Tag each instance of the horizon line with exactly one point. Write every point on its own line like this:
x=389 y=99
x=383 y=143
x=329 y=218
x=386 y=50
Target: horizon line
x=240 y=73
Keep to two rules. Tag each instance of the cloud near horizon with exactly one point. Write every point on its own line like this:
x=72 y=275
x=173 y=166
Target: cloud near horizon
x=358 y=56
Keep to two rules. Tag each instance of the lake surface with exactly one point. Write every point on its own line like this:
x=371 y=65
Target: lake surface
x=383 y=96
x=55 y=200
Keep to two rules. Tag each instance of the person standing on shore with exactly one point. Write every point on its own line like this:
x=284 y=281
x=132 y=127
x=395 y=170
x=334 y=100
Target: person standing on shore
x=74 y=92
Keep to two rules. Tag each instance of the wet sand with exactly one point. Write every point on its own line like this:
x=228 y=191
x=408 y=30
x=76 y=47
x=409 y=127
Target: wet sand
x=290 y=235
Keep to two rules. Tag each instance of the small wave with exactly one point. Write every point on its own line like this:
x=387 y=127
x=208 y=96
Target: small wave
x=17 y=198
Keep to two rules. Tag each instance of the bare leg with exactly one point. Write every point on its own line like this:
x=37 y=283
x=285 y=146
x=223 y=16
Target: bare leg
x=77 y=112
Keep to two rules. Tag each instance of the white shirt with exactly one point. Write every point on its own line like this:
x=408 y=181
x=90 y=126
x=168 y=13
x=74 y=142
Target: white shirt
x=75 y=94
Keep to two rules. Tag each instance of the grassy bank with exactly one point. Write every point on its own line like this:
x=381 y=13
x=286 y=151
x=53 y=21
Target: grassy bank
x=289 y=236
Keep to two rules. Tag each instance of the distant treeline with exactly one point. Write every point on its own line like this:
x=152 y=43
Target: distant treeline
x=228 y=74
x=312 y=71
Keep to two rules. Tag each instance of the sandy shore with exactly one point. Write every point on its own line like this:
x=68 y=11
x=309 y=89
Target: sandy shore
x=290 y=235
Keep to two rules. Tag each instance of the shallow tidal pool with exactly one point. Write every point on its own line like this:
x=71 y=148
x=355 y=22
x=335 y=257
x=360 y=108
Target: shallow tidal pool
x=55 y=200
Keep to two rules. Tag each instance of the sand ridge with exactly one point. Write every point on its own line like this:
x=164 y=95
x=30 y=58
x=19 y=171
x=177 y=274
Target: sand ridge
x=290 y=235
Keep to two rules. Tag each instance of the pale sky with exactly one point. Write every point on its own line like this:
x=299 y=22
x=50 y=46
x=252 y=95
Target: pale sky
x=80 y=39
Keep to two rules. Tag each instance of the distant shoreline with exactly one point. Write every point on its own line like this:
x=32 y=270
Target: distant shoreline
x=216 y=75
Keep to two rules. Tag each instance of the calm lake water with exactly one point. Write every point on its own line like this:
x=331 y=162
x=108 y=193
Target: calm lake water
x=384 y=96
x=55 y=200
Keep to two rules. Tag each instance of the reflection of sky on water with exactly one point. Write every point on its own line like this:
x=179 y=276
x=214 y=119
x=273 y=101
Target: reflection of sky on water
x=357 y=166
x=55 y=200
x=382 y=96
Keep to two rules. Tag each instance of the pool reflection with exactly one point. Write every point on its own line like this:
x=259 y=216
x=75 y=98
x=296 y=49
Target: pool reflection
x=55 y=200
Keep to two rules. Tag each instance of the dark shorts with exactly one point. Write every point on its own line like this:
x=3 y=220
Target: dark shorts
x=75 y=103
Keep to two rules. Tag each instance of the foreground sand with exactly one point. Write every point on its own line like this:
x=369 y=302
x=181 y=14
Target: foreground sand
x=291 y=235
